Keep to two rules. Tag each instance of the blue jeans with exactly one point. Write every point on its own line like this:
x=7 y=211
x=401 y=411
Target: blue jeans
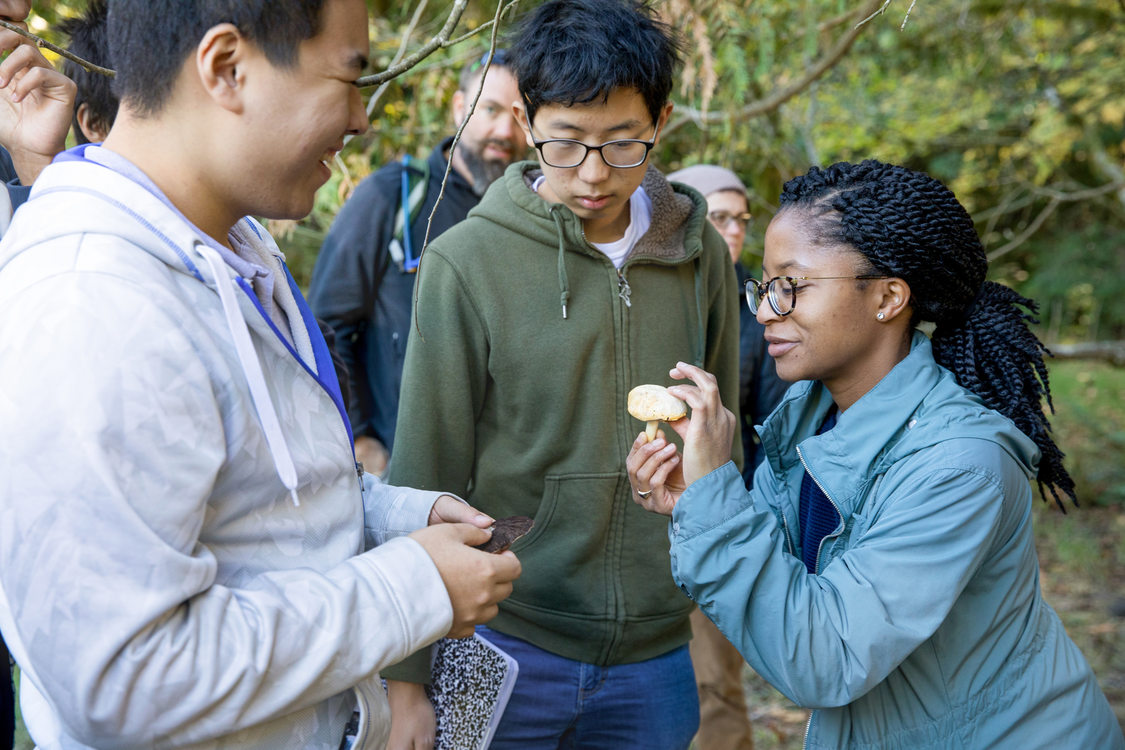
x=562 y=704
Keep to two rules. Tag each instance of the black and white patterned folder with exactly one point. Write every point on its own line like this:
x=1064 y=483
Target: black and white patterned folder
x=472 y=681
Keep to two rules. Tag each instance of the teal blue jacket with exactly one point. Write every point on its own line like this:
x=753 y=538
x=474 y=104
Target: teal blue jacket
x=924 y=626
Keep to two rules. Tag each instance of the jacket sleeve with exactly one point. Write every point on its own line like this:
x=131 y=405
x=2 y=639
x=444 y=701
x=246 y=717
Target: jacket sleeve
x=825 y=640
x=443 y=391
x=345 y=282
x=110 y=598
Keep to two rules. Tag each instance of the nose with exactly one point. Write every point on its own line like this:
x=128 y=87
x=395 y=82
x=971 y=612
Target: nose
x=506 y=128
x=357 y=113
x=765 y=314
x=593 y=168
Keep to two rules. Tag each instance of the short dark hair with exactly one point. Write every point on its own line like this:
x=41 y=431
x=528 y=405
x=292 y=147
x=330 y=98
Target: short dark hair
x=909 y=225
x=574 y=51
x=500 y=59
x=150 y=39
x=87 y=34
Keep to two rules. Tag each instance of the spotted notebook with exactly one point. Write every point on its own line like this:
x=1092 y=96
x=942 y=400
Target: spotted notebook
x=471 y=682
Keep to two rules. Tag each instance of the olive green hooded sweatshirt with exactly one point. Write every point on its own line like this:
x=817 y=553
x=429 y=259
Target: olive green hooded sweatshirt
x=526 y=343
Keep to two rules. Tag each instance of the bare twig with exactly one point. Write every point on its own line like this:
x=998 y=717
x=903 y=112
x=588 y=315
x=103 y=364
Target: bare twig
x=422 y=52
x=907 y=16
x=41 y=42
x=1108 y=351
x=441 y=41
x=501 y=6
x=779 y=97
x=882 y=8
x=461 y=125
x=1031 y=229
x=405 y=41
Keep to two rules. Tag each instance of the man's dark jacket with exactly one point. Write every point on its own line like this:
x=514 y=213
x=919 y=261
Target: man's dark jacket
x=363 y=294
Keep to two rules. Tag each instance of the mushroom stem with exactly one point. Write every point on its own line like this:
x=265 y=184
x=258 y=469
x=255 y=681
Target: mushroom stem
x=650 y=429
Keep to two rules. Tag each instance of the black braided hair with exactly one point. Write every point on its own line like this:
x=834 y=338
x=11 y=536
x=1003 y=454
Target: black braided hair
x=909 y=225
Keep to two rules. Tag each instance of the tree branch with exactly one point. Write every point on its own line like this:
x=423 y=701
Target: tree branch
x=1108 y=351
x=398 y=56
x=1031 y=229
x=779 y=97
x=43 y=43
x=441 y=41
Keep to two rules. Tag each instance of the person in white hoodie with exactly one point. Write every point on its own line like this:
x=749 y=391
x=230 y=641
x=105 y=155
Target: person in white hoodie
x=189 y=554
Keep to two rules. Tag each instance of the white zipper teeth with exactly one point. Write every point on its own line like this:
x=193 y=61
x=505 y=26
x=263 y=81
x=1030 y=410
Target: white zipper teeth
x=834 y=534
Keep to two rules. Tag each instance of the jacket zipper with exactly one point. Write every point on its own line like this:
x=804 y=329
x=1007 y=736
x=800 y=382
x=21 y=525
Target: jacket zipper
x=833 y=535
x=816 y=568
x=623 y=290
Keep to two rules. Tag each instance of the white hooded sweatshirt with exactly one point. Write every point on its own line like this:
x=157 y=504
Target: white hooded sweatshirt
x=182 y=528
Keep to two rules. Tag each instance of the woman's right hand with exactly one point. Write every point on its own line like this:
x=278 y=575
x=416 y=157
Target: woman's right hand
x=708 y=434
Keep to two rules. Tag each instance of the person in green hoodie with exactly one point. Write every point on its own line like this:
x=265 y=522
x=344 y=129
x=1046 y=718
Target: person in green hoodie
x=573 y=281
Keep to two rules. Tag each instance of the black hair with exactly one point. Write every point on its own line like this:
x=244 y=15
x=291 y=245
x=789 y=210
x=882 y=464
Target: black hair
x=910 y=226
x=574 y=51
x=151 y=39
x=87 y=35
x=500 y=59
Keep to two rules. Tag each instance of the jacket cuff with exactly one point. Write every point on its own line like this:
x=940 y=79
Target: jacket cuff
x=416 y=591
x=708 y=502
x=390 y=512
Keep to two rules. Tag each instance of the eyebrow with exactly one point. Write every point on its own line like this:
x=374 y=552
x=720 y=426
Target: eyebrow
x=562 y=124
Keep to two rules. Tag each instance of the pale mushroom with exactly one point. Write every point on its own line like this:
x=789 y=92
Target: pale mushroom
x=652 y=404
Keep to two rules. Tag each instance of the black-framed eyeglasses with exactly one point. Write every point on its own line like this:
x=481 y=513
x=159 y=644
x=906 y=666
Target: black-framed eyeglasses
x=566 y=153
x=781 y=291
x=721 y=218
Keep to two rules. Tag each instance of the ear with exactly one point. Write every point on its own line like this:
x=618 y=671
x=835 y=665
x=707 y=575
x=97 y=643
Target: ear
x=219 y=61
x=662 y=120
x=894 y=299
x=459 y=108
x=520 y=113
x=92 y=127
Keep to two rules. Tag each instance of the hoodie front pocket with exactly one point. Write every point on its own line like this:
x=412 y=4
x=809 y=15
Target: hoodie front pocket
x=566 y=557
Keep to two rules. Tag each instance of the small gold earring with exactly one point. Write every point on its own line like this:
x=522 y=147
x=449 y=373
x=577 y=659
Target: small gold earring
x=880 y=316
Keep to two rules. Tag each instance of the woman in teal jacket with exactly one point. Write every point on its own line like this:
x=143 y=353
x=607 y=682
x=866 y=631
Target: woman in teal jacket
x=883 y=570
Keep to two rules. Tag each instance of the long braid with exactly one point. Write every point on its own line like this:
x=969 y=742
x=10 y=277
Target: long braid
x=908 y=225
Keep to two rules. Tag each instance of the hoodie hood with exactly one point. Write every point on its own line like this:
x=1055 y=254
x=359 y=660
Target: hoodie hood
x=679 y=220
x=673 y=236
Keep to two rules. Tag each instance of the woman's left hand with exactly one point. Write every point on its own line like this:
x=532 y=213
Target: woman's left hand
x=655 y=473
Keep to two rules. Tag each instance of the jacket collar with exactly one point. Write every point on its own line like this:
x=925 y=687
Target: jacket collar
x=863 y=444
x=674 y=236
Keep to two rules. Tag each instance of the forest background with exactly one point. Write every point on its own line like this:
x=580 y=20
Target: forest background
x=1017 y=105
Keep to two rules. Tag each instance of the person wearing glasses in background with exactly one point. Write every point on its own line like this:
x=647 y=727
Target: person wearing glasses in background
x=574 y=280
x=363 y=282
x=723 y=720
x=882 y=569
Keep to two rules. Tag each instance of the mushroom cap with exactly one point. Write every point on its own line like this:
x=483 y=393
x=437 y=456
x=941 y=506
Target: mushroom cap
x=654 y=402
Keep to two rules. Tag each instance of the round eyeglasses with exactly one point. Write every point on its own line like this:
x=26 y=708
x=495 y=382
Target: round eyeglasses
x=781 y=291
x=567 y=153
x=721 y=218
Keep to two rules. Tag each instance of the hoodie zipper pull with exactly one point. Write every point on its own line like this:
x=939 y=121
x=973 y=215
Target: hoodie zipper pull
x=623 y=290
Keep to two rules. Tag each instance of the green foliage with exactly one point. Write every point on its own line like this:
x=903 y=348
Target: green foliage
x=1089 y=426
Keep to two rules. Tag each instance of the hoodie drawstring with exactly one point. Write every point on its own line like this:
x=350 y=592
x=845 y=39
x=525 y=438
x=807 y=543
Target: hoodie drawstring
x=252 y=369
x=701 y=327
x=564 y=283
